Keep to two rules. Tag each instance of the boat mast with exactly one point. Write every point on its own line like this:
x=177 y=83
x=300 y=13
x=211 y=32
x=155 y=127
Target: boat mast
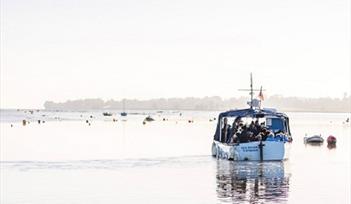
x=251 y=92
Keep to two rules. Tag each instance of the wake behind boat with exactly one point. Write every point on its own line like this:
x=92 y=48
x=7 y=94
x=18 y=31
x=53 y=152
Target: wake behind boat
x=255 y=135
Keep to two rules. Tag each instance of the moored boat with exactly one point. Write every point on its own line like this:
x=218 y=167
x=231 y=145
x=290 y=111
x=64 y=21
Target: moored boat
x=314 y=139
x=124 y=113
x=149 y=119
x=107 y=114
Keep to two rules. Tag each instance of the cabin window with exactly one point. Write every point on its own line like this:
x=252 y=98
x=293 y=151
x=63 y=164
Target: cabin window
x=276 y=124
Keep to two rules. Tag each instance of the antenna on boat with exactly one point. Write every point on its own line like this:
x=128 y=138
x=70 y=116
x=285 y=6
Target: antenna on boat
x=251 y=92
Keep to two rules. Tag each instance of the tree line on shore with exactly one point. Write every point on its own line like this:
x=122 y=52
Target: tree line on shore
x=214 y=103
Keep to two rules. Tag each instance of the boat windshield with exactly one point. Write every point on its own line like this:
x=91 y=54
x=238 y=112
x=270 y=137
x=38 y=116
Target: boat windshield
x=276 y=124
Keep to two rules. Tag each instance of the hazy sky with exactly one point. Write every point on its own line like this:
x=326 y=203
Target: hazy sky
x=67 y=49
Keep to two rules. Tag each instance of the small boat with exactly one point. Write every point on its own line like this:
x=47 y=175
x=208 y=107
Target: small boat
x=331 y=140
x=124 y=113
x=346 y=122
x=314 y=139
x=149 y=119
x=107 y=114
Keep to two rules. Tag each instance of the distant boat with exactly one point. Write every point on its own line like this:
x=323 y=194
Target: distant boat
x=107 y=114
x=124 y=113
x=149 y=119
x=314 y=139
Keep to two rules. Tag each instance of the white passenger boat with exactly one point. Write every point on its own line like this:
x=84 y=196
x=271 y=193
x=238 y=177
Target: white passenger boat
x=242 y=143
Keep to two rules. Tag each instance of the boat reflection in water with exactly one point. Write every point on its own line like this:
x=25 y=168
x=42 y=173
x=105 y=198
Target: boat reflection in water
x=252 y=182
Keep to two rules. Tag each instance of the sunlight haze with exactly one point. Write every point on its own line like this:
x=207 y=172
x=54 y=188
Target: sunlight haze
x=61 y=50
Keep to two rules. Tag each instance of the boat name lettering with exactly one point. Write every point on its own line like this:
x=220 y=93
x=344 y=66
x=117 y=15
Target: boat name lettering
x=249 y=149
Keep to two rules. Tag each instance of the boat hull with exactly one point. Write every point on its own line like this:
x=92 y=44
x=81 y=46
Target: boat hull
x=314 y=139
x=271 y=151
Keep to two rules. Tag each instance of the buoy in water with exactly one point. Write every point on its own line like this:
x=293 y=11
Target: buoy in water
x=331 y=139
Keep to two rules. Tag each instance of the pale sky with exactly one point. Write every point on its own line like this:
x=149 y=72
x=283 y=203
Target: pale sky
x=68 y=49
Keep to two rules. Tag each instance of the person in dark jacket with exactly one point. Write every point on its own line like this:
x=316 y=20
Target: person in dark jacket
x=244 y=135
x=225 y=130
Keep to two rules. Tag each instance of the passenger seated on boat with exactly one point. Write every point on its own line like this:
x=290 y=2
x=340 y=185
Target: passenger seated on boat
x=236 y=132
x=258 y=127
x=244 y=136
x=251 y=136
x=265 y=133
x=232 y=139
x=262 y=135
x=253 y=128
x=237 y=121
x=225 y=130
x=235 y=139
x=232 y=132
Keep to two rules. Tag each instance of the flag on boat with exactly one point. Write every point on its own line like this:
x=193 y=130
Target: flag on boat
x=260 y=95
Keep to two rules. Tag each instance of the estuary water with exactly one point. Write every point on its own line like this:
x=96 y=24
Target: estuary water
x=84 y=157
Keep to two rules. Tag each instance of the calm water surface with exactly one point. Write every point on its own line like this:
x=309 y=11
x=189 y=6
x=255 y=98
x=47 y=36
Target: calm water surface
x=65 y=160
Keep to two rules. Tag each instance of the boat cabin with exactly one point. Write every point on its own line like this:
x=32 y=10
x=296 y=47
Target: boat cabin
x=259 y=124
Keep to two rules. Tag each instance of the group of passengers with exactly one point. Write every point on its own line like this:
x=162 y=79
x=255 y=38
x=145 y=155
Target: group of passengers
x=239 y=132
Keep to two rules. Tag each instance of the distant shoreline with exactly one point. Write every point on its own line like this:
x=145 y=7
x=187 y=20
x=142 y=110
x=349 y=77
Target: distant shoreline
x=154 y=110
x=214 y=103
